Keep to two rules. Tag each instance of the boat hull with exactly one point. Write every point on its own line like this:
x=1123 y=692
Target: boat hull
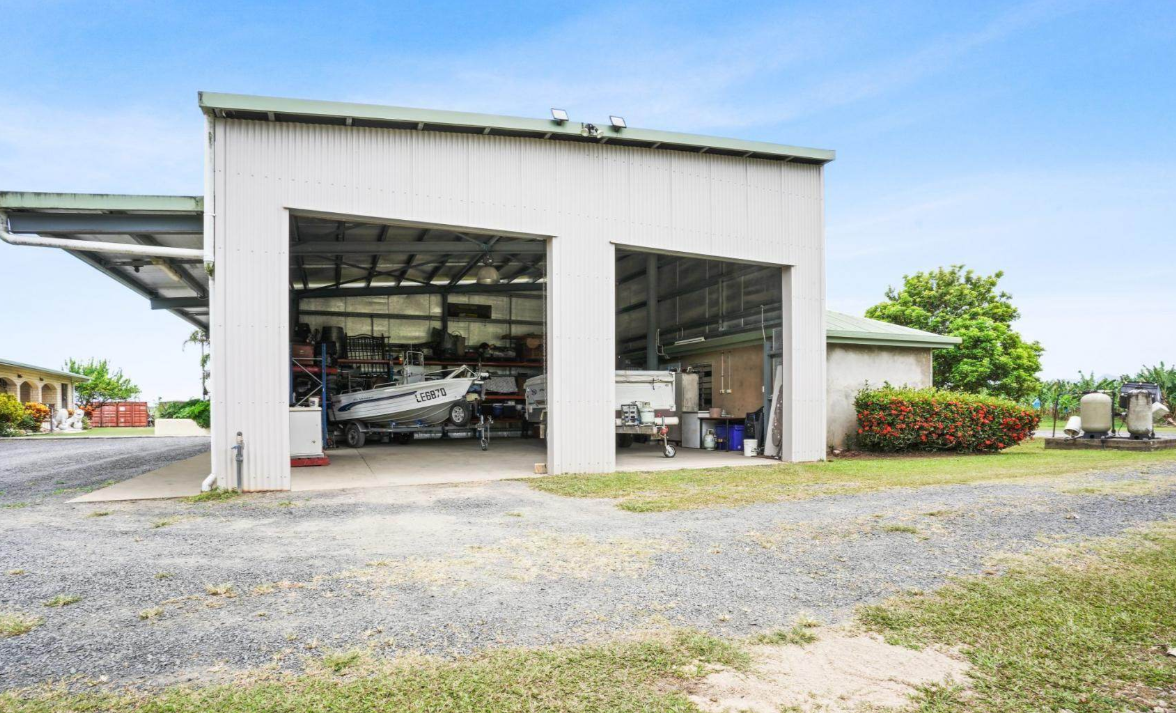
x=425 y=403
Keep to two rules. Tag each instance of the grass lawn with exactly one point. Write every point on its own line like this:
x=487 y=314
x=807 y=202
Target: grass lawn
x=735 y=486
x=643 y=675
x=1080 y=629
x=149 y=431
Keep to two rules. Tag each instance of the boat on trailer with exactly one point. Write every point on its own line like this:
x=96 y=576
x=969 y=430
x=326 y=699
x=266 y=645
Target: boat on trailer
x=416 y=400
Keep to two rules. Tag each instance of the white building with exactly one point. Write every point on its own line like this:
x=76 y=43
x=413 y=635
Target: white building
x=374 y=219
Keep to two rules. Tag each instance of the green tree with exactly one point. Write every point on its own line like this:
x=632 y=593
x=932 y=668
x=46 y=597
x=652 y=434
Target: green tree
x=992 y=357
x=104 y=384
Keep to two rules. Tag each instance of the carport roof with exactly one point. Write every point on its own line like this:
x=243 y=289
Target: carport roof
x=243 y=106
x=171 y=221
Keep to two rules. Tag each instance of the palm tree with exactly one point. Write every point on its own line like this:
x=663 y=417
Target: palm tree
x=200 y=337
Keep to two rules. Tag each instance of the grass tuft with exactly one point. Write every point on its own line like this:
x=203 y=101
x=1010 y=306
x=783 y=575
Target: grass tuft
x=220 y=590
x=165 y=522
x=164 y=575
x=17 y=624
x=100 y=513
x=798 y=635
x=213 y=496
x=15 y=572
x=150 y=613
x=62 y=600
x=895 y=527
x=340 y=661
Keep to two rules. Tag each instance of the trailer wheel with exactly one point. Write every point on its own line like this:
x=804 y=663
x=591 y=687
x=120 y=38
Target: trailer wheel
x=670 y=451
x=624 y=440
x=354 y=435
x=402 y=438
x=459 y=415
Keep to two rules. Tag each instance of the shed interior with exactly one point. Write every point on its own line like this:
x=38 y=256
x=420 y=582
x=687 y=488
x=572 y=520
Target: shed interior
x=714 y=319
x=374 y=304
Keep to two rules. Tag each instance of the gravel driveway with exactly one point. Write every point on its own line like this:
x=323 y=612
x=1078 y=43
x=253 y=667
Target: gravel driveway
x=32 y=468
x=453 y=569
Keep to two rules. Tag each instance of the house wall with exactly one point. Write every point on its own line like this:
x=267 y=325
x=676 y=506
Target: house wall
x=850 y=367
x=585 y=198
x=42 y=385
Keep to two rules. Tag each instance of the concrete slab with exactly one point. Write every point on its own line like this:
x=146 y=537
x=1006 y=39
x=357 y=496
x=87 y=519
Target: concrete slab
x=419 y=463
x=1160 y=443
x=175 y=480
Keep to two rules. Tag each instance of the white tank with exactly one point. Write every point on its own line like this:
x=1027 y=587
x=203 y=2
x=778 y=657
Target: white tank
x=1095 y=409
x=1139 y=413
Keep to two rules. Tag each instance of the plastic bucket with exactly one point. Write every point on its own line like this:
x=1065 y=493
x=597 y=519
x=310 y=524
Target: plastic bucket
x=750 y=445
x=735 y=437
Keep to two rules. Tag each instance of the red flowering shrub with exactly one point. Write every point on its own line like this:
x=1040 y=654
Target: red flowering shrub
x=891 y=419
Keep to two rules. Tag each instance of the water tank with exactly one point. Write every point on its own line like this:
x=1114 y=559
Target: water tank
x=1139 y=413
x=1095 y=409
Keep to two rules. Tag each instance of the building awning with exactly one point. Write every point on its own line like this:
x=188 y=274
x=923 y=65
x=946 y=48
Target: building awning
x=179 y=284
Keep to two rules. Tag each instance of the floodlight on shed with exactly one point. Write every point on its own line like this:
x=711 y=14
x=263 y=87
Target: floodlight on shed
x=559 y=115
x=618 y=122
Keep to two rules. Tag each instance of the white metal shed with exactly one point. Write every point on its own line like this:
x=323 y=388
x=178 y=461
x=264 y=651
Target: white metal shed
x=581 y=190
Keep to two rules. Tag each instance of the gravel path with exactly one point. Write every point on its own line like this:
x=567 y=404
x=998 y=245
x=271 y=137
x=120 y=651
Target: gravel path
x=453 y=569
x=32 y=468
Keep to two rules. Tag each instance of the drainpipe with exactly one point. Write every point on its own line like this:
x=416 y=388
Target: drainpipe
x=240 y=458
x=95 y=246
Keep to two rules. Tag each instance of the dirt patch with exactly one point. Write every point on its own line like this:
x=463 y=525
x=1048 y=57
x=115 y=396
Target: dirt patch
x=838 y=673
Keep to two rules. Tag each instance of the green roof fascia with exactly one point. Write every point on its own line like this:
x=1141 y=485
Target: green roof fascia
x=31 y=367
x=22 y=200
x=272 y=107
x=890 y=341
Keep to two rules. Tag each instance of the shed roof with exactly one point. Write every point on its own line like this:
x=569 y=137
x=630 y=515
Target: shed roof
x=243 y=106
x=32 y=367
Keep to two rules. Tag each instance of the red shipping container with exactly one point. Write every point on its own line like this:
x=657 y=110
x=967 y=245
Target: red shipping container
x=120 y=414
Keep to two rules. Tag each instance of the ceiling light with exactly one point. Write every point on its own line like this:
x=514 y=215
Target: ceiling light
x=488 y=275
x=559 y=115
x=618 y=122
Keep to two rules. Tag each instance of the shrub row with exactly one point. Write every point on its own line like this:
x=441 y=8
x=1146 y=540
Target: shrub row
x=198 y=410
x=892 y=419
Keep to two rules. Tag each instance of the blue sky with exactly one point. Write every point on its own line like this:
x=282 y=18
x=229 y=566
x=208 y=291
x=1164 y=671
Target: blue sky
x=1036 y=138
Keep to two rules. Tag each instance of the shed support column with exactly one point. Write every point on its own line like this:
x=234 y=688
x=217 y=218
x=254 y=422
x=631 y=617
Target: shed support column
x=651 y=312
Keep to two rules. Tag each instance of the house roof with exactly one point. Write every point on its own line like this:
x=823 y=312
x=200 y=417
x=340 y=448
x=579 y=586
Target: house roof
x=31 y=367
x=243 y=106
x=847 y=329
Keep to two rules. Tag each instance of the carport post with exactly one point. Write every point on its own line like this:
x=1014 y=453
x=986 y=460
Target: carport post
x=651 y=309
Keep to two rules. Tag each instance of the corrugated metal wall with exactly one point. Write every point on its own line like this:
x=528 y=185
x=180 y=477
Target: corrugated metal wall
x=587 y=197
